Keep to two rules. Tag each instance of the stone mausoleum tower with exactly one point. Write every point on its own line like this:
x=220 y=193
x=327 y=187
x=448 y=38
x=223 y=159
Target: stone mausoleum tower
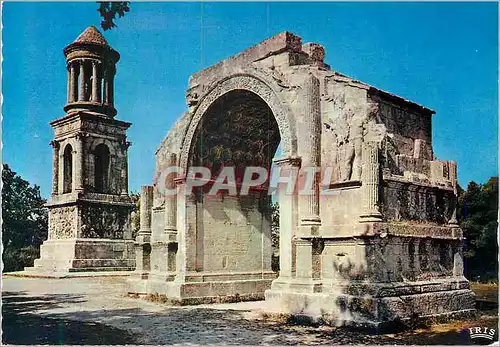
x=89 y=213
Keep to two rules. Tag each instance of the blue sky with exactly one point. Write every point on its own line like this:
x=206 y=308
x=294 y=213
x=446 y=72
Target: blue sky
x=441 y=55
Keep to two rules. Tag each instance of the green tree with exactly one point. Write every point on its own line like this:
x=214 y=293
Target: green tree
x=24 y=221
x=275 y=225
x=109 y=10
x=275 y=235
x=478 y=214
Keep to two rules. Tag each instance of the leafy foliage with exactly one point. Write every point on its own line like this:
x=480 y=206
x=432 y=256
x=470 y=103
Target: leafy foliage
x=25 y=221
x=478 y=213
x=275 y=235
x=109 y=10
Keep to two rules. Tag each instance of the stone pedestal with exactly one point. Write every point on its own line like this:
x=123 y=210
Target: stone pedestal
x=86 y=234
x=89 y=212
x=383 y=273
x=377 y=305
x=79 y=255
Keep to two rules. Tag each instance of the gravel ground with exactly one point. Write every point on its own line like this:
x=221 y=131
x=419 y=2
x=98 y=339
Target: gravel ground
x=95 y=311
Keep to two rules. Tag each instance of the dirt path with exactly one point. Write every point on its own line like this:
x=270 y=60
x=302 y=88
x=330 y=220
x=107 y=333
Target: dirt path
x=95 y=311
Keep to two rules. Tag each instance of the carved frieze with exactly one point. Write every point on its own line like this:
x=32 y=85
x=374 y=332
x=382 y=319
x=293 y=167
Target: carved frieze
x=62 y=223
x=102 y=128
x=67 y=128
x=104 y=221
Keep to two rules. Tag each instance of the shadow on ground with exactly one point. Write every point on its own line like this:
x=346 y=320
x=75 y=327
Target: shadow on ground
x=24 y=322
x=21 y=326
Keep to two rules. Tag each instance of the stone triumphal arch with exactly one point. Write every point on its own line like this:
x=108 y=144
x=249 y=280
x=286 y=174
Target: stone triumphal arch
x=375 y=239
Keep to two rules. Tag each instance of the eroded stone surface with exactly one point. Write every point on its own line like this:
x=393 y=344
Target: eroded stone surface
x=386 y=229
x=388 y=222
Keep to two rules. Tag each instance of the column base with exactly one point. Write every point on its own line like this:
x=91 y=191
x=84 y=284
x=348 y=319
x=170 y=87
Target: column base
x=375 y=305
x=204 y=287
x=79 y=255
x=371 y=217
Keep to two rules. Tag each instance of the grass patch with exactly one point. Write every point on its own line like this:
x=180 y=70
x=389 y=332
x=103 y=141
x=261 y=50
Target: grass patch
x=485 y=291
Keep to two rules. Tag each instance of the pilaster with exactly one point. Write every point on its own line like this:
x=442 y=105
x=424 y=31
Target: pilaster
x=171 y=200
x=79 y=166
x=371 y=183
x=146 y=205
x=55 y=167
x=311 y=158
x=452 y=167
x=287 y=221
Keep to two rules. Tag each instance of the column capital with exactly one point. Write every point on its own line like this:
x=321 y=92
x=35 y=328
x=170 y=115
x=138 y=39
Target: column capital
x=292 y=161
x=180 y=180
x=110 y=70
x=54 y=144
x=124 y=145
x=81 y=135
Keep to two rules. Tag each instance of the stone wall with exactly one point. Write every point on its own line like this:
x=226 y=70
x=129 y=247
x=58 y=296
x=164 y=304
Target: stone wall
x=390 y=259
x=417 y=202
x=339 y=208
x=234 y=234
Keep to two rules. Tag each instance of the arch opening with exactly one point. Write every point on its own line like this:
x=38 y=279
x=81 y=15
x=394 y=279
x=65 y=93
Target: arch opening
x=101 y=168
x=233 y=232
x=67 y=169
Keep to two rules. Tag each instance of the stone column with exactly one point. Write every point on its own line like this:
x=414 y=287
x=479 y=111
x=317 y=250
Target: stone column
x=145 y=210
x=70 y=81
x=142 y=243
x=96 y=81
x=82 y=81
x=371 y=183
x=105 y=85
x=452 y=169
x=171 y=200
x=109 y=85
x=78 y=172
x=310 y=150
x=73 y=83
x=311 y=156
x=112 y=87
x=55 y=167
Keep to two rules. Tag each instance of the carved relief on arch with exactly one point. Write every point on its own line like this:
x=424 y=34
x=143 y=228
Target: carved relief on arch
x=281 y=112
